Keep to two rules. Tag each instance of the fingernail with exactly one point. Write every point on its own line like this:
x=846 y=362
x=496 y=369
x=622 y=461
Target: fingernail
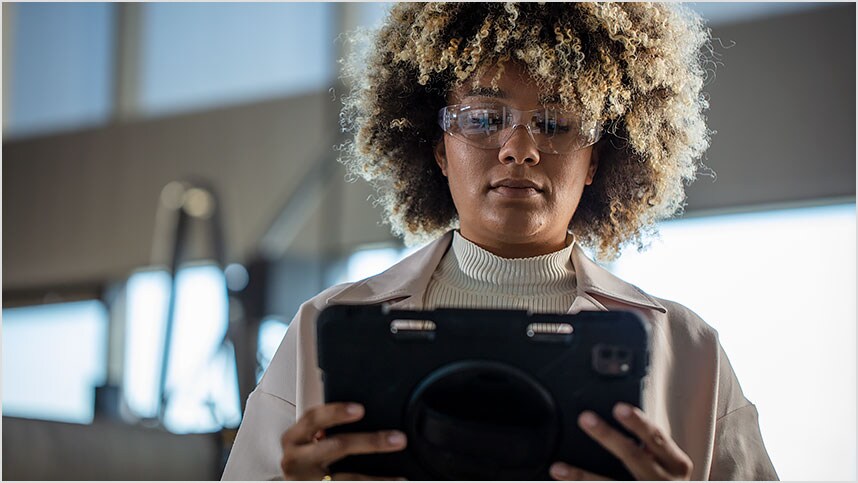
x=396 y=438
x=354 y=409
x=588 y=419
x=559 y=470
x=623 y=410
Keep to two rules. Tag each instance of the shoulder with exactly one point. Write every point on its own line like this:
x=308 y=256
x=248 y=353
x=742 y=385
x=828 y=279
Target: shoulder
x=613 y=292
x=683 y=322
x=686 y=341
x=321 y=300
x=697 y=349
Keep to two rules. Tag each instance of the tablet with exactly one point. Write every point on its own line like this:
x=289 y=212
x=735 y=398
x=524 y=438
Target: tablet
x=481 y=394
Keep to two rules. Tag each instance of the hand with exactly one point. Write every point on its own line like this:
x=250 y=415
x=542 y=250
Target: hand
x=656 y=458
x=307 y=452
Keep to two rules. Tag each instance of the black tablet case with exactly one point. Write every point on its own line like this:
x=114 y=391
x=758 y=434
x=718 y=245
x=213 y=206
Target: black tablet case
x=484 y=394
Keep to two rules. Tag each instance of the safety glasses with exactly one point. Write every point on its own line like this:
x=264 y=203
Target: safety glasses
x=489 y=125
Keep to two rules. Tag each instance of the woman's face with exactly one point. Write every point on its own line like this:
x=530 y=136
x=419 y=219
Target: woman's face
x=514 y=201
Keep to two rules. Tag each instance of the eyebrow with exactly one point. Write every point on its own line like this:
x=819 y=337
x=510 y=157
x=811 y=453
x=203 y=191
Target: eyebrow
x=482 y=91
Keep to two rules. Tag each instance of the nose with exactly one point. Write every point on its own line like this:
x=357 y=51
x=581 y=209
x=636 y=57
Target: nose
x=519 y=148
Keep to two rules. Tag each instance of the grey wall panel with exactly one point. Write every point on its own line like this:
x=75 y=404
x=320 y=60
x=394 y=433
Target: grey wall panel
x=783 y=106
x=82 y=206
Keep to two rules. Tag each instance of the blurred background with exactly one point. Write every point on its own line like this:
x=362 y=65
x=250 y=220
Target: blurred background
x=171 y=195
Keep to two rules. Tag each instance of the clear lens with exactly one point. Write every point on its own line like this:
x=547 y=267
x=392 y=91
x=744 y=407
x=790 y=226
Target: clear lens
x=489 y=125
x=478 y=121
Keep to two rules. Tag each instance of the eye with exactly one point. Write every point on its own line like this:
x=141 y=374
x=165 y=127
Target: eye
x=557 y=122
x=537 y=122
x=480 y=120
x=562 y=124
x=550 y=122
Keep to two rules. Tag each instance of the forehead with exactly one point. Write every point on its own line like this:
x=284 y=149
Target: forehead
x=514 y=85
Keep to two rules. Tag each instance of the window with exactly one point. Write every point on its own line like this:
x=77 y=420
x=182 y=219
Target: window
x=202 y=384
x=372 y=13
x=199 y=55
x=54 y=356
x=779 y=287
x=61 y=69
x=271 y=333
x=192 y=56
x=372 y=261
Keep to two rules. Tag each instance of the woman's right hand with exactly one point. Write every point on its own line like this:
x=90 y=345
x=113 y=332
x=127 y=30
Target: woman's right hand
x=307 y=452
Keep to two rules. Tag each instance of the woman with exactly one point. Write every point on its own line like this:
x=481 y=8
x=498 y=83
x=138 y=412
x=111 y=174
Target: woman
x=529 y=131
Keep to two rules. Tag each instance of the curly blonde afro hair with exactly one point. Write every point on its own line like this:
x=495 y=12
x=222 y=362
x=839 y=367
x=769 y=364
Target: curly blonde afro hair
x=638 y=68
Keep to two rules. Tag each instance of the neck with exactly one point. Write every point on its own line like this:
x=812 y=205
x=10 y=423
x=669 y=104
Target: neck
x=518 y=249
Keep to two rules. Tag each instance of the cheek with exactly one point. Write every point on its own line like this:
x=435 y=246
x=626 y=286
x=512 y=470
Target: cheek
x=464 y=172
x=570 y=182
x=464 y=186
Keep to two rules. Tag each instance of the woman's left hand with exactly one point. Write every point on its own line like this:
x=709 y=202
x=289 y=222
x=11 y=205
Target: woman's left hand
x=657 y=457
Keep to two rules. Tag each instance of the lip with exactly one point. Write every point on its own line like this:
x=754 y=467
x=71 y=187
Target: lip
x=516 y=188
x=516 y=183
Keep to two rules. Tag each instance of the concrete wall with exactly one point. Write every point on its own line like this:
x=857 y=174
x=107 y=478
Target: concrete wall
x=81 y=206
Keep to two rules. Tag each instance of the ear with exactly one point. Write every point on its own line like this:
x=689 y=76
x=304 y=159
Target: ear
x=594 y=164
x=441 y=156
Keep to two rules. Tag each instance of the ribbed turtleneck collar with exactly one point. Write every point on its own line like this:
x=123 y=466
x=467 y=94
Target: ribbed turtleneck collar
x=471 y=268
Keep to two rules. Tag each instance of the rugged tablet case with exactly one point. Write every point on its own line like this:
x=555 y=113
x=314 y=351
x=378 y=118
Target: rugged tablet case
x=481 y=394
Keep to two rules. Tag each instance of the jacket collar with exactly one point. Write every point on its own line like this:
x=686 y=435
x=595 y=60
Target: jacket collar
x=594 y=280
x=404 y=284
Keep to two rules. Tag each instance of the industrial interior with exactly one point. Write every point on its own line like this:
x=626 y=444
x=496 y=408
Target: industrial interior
x=171 y=195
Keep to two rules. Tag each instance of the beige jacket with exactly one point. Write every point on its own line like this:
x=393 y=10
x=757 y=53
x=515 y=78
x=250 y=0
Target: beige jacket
x=691 y=390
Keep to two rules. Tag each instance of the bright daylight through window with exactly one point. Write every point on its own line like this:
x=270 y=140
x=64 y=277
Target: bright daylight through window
x=202 y=385
x=44 y=375
x=779 y=286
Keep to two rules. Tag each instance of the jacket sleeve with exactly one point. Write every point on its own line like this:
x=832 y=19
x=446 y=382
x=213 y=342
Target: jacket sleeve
x=277 y=402
x=739 y=451
x=270 y=410
x=256 y=452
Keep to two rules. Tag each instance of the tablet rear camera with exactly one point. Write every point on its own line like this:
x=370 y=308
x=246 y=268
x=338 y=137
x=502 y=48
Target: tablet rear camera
x=612 y=360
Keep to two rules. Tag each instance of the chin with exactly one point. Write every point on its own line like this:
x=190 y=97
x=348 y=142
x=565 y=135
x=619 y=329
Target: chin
x=519 y=231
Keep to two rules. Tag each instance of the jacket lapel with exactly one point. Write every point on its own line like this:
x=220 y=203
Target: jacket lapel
x=595 y=284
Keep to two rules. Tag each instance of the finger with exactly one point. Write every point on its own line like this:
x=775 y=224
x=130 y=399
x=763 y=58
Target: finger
x=638 y=461
x=562 y=471
x=337 y=447
x=320 y=418
x=359 y=477
x=295 y=469
x=665 y=450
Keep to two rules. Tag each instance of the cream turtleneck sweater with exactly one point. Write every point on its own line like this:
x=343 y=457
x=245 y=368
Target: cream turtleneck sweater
x=469 y=276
